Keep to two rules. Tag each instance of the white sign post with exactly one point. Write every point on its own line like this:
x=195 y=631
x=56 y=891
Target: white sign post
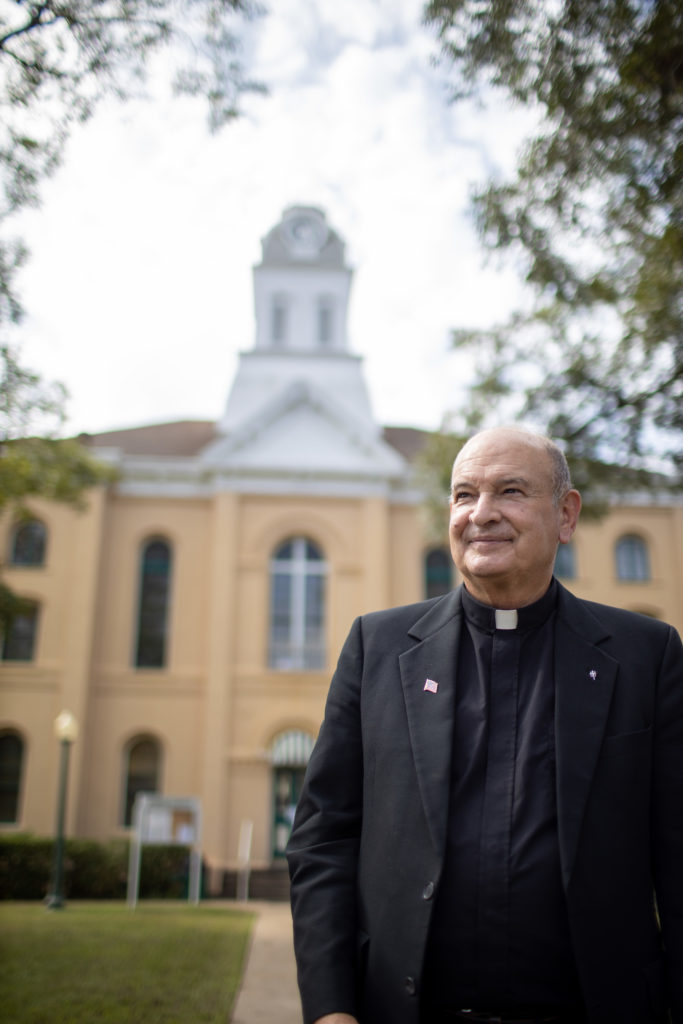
x=244 y=859
x=165 y=819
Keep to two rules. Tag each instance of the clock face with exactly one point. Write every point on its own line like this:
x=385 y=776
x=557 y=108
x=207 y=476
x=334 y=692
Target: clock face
x=305 y=235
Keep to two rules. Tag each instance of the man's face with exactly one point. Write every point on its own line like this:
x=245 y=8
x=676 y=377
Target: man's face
x=504 y=525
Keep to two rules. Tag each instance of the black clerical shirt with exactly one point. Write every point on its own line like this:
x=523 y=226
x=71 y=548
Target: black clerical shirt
x=500 y=935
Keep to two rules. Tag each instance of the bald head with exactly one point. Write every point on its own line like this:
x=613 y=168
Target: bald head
x=513 y=435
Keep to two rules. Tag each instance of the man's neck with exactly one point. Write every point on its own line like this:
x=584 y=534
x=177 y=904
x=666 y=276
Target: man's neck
x=503 y=597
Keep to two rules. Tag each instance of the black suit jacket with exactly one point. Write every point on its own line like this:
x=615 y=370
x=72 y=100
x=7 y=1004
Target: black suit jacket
x=368 y=843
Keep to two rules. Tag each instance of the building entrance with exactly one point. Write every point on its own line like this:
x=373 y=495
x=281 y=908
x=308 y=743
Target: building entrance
x=288 y=783
x=289 y=756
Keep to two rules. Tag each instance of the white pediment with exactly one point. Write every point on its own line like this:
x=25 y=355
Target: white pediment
x=303 y=429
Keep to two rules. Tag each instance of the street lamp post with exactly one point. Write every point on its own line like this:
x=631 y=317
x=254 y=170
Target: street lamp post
x=66 y=731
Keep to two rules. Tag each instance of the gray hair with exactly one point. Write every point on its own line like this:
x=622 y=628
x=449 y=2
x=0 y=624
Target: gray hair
x=561 y=477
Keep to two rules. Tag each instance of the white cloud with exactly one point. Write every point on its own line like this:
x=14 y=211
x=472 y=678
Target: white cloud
x=139 y=285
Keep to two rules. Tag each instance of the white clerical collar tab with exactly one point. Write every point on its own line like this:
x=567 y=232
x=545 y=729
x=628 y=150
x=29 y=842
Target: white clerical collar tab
x=506 y=618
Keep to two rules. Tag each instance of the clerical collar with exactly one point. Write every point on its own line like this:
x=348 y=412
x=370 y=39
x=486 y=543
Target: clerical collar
x=490 y=619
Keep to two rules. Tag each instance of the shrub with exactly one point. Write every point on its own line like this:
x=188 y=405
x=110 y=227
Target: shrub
x=92 y=870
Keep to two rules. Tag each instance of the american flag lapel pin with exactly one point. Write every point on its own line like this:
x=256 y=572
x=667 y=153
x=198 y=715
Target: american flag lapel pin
x=430 y=686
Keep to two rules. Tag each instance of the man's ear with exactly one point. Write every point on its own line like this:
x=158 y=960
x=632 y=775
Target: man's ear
x=570 y=507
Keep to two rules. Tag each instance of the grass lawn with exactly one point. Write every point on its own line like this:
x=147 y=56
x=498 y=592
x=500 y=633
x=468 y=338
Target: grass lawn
x=162 y=963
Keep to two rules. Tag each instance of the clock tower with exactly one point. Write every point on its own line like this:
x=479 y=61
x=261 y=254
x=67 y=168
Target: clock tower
x=298 y=415
x=301 y=287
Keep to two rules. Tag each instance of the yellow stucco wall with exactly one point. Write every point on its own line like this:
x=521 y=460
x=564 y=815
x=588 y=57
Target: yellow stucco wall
x=661 y=528
x=216 y=707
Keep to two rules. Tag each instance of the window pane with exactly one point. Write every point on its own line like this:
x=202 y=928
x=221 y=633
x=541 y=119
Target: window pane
x=633 y=563
x=11 y=758
x=28 y=547
x=314 y=657
x=284 y=552
x=315 y=595
x=20 y=638
x=325 y=321
x=438 y=572
x=565 y=564
x=153 y=614
x=279 y=321
x=142 y=773
x=297 y=606
x=281 y=607
x=313 y=553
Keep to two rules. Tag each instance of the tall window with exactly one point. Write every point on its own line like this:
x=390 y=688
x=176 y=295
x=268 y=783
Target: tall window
x=155 y=578
x=325 y=321
x=11 y=765
x=565 y=562
x=632 y=558
x=438 y=568
x=278 y=321
x=297 y=606
x=28 y=543
x=141 y=772
x=19 y=640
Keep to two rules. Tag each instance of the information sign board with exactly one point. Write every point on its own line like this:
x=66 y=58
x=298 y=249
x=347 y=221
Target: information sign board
x=165 y=819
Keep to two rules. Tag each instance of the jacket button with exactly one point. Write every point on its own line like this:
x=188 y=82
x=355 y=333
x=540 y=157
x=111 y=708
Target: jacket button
x=428 y=891
x=410 y=986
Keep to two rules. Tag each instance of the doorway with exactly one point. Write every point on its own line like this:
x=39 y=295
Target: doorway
x=287 y=783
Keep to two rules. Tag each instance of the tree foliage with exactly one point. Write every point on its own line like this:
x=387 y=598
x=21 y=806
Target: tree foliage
x=47 y=466
x=594 y=219
x=43 y=466
x=58 y=58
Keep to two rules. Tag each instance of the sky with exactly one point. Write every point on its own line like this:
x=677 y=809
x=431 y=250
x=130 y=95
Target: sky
x=138 y=289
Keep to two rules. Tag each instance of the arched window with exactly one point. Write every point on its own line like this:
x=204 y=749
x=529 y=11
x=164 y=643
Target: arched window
x=632 y=558
x=565 y=562
x=11 y=766
x=141 y=772
x=297 y=606
x=19 y=640
x=438 y=572
x=29 y=540
x=155 y=579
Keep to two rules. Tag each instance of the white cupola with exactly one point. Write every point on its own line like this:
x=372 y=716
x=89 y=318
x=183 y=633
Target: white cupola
x=299 y=407
x=301 y=287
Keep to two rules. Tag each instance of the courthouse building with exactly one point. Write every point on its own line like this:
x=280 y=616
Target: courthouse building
x=191 y=615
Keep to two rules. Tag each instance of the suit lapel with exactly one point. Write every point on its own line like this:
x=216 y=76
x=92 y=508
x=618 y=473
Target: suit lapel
x=584 y=681
x=431 y=714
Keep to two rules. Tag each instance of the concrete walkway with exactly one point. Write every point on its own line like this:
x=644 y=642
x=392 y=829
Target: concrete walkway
x=269 y=993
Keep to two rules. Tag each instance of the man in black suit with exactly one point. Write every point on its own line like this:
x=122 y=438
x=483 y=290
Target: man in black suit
x=496 y=795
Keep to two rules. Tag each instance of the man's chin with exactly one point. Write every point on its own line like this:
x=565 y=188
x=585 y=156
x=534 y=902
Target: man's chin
x=487 y=567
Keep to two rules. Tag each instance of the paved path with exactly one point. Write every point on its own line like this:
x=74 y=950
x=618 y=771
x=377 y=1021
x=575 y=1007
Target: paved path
x=269 y=993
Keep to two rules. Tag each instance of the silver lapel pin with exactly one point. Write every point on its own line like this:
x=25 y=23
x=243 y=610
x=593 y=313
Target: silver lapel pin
x=593 y=674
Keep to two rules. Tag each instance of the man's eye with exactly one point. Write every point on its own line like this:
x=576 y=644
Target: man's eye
x=461 y=496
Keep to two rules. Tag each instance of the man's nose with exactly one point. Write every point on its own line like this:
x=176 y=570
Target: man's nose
x=485 y=510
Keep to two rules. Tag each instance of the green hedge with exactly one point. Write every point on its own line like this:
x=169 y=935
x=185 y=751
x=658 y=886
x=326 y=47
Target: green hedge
x=92 y=870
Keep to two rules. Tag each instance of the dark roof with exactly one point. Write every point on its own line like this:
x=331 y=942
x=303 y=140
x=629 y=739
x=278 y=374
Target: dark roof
x=183 y=437
x=408 y=441
x=188 y=437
